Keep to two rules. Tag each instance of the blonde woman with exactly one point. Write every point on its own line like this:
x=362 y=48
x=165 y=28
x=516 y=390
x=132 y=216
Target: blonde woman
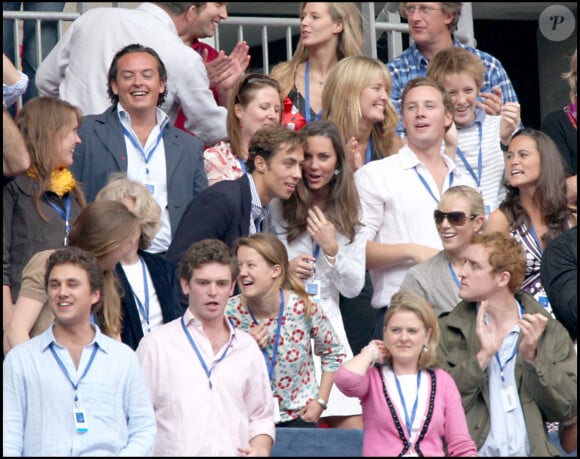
x=149 y=284
x=328 y=33
x=363 y=112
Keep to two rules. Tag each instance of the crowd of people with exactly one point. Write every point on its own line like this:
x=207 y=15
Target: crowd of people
x=197 y=253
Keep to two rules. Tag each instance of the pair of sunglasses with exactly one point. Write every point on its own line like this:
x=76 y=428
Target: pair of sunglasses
x=454 y=218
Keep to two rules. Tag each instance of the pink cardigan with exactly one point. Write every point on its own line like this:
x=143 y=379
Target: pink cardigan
x=380 y=437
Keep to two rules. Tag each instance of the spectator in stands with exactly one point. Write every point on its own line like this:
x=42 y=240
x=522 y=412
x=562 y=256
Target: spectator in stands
x=364 y=113
x=560 y=280
x=75 y=70
x=279 y=313
x=106 y=229
x=458 y=216
x=15 y=156
x=481 y=137
x=14 y=82
x=402 y=369
x=514 y=365
x=399 y=193
x=535 y=209
x=150 y=288
x=254 y=103
x=431 y=27
x=560 y=125
x=366 y=120
x=48 y=39
x=223 y=71
x=135 y=136
x=219 y=404
x=320 y=228
x=40 y=206
x=106 y=409
x=234 y=208
x=329 y=31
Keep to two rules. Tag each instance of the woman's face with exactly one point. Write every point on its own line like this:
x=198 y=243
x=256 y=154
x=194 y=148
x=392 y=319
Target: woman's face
x=256 y=276
x=373 y=100
x=455 y=236
x=523 y=163
x=65 y=143
x=405 y=335
x=263 y=110
x=320 y=162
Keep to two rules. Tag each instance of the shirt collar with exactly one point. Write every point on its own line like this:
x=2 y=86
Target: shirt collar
x=160 y=117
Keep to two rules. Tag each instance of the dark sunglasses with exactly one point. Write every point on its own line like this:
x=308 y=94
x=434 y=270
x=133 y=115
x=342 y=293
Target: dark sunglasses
x=454 y=218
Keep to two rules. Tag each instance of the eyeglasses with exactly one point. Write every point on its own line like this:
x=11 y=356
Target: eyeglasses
x=454 y=218
x=423 y=9
x=252 y=78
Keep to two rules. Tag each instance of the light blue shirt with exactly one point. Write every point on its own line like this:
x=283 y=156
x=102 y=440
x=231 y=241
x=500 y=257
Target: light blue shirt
x=508 y=435
x=39 y=399
x=12 y=92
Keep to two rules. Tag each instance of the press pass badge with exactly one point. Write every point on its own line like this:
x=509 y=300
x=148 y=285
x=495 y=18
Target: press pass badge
x=313 y=288
x=80 y=419
x=151 y=185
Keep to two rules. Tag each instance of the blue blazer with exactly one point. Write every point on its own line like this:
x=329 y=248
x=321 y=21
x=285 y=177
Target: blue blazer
x=168 y=291
x=221 y=211
x=102 y=151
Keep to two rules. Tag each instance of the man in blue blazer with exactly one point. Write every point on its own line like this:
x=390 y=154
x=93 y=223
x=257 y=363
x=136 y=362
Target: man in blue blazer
x=136 y=137
x=230 y=209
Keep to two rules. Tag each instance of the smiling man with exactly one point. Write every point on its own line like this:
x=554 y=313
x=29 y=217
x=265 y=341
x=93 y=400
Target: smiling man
x=231 y=209
x=400 y=192
x=136 y=137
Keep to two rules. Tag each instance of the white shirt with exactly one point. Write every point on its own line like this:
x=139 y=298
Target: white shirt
x=398 y=208
x=76 y=69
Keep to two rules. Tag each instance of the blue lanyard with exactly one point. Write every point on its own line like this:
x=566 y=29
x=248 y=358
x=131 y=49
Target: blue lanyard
x=479 y=160
x=65 y=214
x=315 y=250
x=200 y=358
x=146 y=156
x=428 y=188
x=369 y=151
x=453 y=275
x=144 y=310
x=242 y=164
x=63 y=368
x=515 y=351
x=409 y=422
x=271 y=363
x=307 y=95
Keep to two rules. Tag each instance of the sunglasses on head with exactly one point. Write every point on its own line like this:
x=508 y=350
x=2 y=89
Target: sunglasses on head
x=454 y=218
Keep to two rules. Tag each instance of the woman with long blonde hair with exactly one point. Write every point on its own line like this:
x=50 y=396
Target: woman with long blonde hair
x=328 y=32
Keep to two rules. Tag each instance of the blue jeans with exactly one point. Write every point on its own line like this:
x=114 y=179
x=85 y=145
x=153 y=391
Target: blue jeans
x=48 y=35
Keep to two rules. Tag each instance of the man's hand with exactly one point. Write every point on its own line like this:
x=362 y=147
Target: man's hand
x=492 y=101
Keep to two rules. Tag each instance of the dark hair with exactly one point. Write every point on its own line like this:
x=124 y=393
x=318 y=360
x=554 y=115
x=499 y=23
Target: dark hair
x=550 y=190
x=206 y=251
x=83 y=259
x=243 y=93
x=114 y=68
x=342 y=207
x=268 y=140
x=178 y=8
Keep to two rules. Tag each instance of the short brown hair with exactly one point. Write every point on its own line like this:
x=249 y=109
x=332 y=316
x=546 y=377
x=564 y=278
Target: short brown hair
x=455 y=61
x=268 y=140
x=206 y=251
x=453 y=8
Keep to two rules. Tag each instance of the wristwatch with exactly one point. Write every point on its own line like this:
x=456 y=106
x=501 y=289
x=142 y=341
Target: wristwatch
x=322 y=403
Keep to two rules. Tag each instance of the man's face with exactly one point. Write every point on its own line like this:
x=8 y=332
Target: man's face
x=208 y=291
x=69 y=294
x=138 y=83
x=427 y=22
x=463 y=92
x=207 y=19
x=478 y=281
x=281 y=176
x=424 y=116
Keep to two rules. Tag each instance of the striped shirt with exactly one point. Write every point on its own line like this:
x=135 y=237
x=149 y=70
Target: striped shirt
x=490 y=176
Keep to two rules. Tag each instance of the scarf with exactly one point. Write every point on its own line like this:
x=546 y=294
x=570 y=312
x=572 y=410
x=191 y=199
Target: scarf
x=61 y=180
